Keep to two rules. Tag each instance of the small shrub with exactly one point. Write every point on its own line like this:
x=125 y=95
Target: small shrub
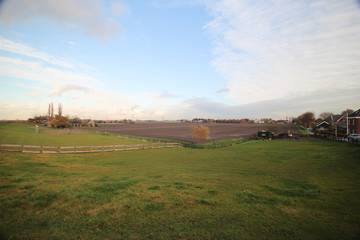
x=200 y=132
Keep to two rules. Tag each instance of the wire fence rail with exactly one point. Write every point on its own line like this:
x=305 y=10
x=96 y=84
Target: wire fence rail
x=83 y=149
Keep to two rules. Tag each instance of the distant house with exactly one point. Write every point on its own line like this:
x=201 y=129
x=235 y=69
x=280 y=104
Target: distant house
x=354 y=122
x=75 y=123
x=91 y=123
x=338 y=123
x=322 y=126
x=88 y=123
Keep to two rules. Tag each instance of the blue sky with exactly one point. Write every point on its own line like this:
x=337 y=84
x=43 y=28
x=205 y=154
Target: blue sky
x=156 y=59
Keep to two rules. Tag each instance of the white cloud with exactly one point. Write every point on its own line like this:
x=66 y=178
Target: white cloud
x=68 y=87
x=274 y=49
x=34 y=94
x=36 y=71
x=91 y=17
x=158 y=95
x=174 y=3
x=18 y=48
x=223 y=90
x=118 y=9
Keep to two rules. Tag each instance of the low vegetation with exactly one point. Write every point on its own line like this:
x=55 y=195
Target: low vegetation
x=254 y=190
x=20 y=133
x=200 y=132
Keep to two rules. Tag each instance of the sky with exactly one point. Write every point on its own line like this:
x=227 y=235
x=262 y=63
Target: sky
x=179 y=59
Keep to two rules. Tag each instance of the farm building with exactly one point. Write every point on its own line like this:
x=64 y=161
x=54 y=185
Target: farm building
x=91 y=123
x=75 y=123
x=322 y=126
x=88 y=123
x=265 y=134
x=354 y=122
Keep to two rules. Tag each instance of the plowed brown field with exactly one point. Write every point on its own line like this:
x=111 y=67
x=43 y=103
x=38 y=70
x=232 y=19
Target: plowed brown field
x=182 y=131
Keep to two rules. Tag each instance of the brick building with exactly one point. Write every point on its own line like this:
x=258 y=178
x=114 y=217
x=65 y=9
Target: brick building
x=354 y=122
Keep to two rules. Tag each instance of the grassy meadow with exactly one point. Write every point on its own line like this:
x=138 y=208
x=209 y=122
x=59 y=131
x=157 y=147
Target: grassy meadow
x=253 y=190
x=20 y=133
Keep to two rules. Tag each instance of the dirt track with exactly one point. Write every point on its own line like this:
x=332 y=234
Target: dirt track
x=182 y=131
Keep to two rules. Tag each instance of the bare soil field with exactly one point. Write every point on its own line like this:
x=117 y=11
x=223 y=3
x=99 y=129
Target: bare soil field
x=182 y=131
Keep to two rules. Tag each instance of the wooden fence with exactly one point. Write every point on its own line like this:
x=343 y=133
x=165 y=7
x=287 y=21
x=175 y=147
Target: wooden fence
x=82 y=149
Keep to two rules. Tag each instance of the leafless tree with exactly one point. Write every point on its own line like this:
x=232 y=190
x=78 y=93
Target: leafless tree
x=347 y=111
x=326 y=116
x=60 y=109
x=52 y=110
x=49 y=112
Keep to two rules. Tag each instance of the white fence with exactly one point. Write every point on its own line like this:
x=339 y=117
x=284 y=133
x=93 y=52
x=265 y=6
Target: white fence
x=82 y=149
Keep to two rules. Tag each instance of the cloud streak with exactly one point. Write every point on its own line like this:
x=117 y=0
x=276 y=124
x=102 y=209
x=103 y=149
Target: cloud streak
x=91 y=17
x=21 y=49
x=37 y=72
x=274 y=49
x=68 y=87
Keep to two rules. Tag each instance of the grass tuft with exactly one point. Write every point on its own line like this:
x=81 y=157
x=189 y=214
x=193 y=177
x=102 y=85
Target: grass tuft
x=248 y=197
x=111 y=187
x=155 y=206
x=294 y=188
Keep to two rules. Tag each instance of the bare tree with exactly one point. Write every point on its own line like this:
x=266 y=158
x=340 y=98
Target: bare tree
x=326 y=116
x=347 y=111
x=60 y=109
x=49 y=112
x=52 y=110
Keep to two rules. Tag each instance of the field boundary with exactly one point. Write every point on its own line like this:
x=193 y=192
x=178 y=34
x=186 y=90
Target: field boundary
x=83 y=149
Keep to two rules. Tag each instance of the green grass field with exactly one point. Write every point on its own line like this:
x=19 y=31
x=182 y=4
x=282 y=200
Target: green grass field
x=254 y=190
x=20 y=133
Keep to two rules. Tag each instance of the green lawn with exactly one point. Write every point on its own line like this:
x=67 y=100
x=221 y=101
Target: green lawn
x=302 y=129
x=20 y=133
x=254 y=190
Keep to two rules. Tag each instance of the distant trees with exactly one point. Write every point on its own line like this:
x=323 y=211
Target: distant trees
x=57 y=120
x=60 y=109
x=306 y=119
x=347 y=111
x=60 y=122
x=200 y=132
x=325 y=116
x=51 y=111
